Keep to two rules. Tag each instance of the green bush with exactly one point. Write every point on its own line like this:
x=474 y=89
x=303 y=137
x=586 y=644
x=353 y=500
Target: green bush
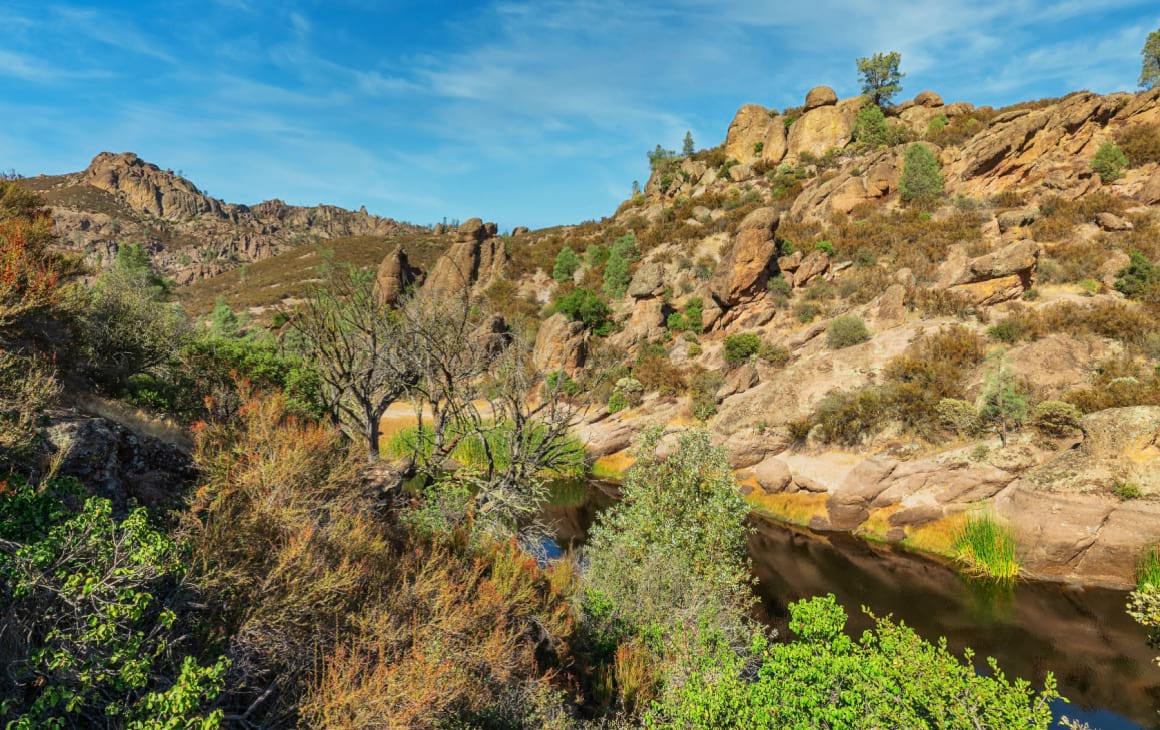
x=1055 y=418
x=806 y=312
x=585 y=306
x=936 y=125
x=958 y=416
x=567 y=262
x=1126 y=491
x=741 y=347
x=626 y=247
x=703 y=387
x=1109 y=162
x=617 y=402
x=888 y=677
x=616 y=276
x=870 y=128
x=845 y=331
x=631 y=388
x=922 y=180
x=1138 y=276
x=850 y=417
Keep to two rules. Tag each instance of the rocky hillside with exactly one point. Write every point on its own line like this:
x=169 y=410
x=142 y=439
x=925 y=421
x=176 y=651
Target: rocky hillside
x=783 y=288
x=121 y=198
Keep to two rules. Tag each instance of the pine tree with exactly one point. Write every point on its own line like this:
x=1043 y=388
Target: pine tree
x=616 y=275
x=689 y=147
x=1150 y=69
x=921 y=179
x=567 y=262
x=881 y=79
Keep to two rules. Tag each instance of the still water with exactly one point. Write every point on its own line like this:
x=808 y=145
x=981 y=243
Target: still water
x=1099 y=656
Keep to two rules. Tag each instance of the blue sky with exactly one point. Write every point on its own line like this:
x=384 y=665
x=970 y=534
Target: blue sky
x=526 y=113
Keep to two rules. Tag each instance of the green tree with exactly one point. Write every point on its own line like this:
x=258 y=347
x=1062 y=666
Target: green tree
x=616 y=276
x=1150 y=68
x=688 y=148
x=922 y=180
x=870 y=128
x=670 y=558
x=1002 y=402
x=583 y=305
x=881 y=79
x=1138 y=276
x=133 y=267
x=567 y=262
x=660 y=158
x=1109 y=162
x=224 y=321
x=626 y=246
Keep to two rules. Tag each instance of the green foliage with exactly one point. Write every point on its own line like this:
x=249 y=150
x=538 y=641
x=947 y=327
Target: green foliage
x=870 y=128
x=660 y=158
x=688 y=148
x=1138 y=276
x=690 y=319
x=825 y=247
x=1055 y=418
x=595 y=256
x=1109 y=162
x=1150 y=66
x=936 y=125
x=922 y=180
x=626 y=247
x=888 y=678
x=740 y=347
x=1148 y=569
x=584 y=305
x=881 y=78
x=94 y=601
x=1126 y=491
x=616 y=276
x=986 y=548
x=133 y=268
x=670 y=558
x=562 y=382
x=617 y=402
x=703 y=387
x=1002 y=401
x=478 y=451
x=958 y=416
x=213 y=365
x=845 y=331
x=567 y=262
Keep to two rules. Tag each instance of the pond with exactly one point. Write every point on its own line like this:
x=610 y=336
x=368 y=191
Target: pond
x=1099 y=655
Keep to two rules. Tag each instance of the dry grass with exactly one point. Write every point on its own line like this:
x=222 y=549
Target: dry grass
x=271 y=281
x=798 y=508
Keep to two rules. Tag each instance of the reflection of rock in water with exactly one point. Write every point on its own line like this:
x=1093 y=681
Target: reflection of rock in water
x=1098 y=654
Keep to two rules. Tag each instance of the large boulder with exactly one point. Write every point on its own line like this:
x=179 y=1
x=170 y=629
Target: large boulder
x=743 y=272
x=648 y=281
x=561 y=344
x=395 y=274
x=816 y=263
x=995 y=277
x=928 y=99
x=754 y=124
x=820 y=96
x=824 y=128
x=474 y=262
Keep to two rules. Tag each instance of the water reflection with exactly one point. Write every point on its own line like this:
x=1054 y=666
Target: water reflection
x=1098 y=654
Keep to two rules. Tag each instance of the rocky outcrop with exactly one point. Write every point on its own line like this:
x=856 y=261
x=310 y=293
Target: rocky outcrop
x=473 y=263
x=145 y=187
x=823 y=128
x=395 y=275
x=745 y=269
x=755 y=125
x=996 y=277
x=872 y=181
x=820 y=96
x=561 y=344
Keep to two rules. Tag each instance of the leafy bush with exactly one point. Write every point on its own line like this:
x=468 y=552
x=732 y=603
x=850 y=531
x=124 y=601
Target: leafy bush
x=656 y=372
x=690 y=319
x=632 y=389
x=567 y=262
x=1055 y=418
x=870 y=128
x=846 y=331
x=922 y=180
x=1126 y=491
x=626 y=247
x=1109 y=162
x=585 y=306
x=889 y=677
x=740 y=347
x=936 y=125
x=617 y=402
x=703 y=387
x=806 y=312
x=93 y=602
x=849 y=417
x=616 y=276
x=958 y=416
x=1138 y=276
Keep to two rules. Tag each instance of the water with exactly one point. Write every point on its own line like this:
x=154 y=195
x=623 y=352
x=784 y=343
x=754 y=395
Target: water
x=1099 y=655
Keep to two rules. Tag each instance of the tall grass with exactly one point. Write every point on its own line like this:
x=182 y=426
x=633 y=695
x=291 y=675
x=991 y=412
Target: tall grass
x=471 y=451
x=1148 y=569
x=986 y=548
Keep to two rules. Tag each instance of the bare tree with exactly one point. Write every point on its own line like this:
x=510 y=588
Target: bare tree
x=358 y=344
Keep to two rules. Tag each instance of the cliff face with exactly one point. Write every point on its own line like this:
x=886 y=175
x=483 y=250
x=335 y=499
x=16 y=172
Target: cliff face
x=121 y=198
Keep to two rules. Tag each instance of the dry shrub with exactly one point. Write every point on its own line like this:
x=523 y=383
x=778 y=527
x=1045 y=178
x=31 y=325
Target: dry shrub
x=1060 y=216
x=940 y=303
x=1118 y=383
x=1114 y=320
x=449 y=638
x=1140 y=142
x=862 y=285
x=657 y=373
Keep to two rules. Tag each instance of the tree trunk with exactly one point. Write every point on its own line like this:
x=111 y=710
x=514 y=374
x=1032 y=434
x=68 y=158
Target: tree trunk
x=373 y=433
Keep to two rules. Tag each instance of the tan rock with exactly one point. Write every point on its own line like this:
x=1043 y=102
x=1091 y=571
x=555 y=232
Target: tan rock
x=1112 y=222
x=395 y=274
x=995 y=277
x=820 y=96
x=755 y=124
x=1110 y=269
x=561 y=344
x=763 y=219
x=824 y=128
x=648 y=281
x=744 y=271
x=815 y=264
x=772 y=475
x=928 y=99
